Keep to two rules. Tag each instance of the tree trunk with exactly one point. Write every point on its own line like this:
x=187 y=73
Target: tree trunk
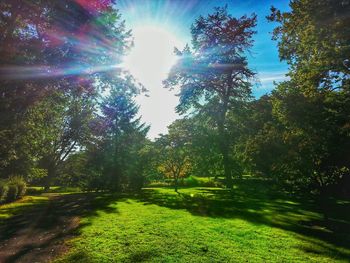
x=324 y=203
x=224 y=147
x=51 y=172
x=176 y=184
x=227 y=169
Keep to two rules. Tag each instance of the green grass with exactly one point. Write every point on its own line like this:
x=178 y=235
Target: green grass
x=21 y=206
x=255 y=223
x=191 y=181
x=37 y=190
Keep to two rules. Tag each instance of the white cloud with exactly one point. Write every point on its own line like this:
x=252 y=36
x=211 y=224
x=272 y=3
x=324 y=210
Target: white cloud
x=269 y=77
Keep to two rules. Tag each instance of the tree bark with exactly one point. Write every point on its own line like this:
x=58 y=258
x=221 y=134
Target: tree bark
x=324 y=204
x=51 y=172
x=224 y=147
x=176 y=184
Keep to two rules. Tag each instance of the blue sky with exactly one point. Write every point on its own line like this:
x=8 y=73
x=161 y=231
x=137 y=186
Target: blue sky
x=176 y=17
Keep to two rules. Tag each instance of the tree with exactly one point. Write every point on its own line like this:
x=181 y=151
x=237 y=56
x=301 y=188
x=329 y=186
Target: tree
x=311 y=106
x=174 y=160
x=64 y=47
x=314 y=47
x=203 y=144
x=262 y=146
x=20 y=50
x=73 y=170
x=123 y=136
x=56 y=127
x=215 y=71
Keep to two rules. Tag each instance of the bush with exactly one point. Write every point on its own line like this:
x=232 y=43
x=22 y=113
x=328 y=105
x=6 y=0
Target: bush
x=93 y=181
x=20 y=184
x=191 y=182
x=3 y=190
x=13 y=188
x=12 y=192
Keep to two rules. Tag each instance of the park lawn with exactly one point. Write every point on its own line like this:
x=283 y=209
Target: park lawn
x=253 y=224
x=21 y=206
x=36 y=199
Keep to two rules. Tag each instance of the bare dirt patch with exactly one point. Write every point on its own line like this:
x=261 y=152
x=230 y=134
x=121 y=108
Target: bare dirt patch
x=39 y=235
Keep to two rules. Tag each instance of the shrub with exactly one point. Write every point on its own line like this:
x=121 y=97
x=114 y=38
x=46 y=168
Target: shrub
x=13 y=188
x=3 y=190
x=194 y=181
x=20 y=184
x=12 y=192
x=191 y=182
x=93 y=181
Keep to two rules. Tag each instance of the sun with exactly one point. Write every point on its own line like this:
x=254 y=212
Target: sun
x=149 y=62
x=153 y=55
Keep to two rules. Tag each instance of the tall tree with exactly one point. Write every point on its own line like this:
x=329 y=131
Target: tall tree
x=202 y=142
x=57 y=127
x=215 y=71
x=124 y=136
x=20 y=50
x=69 y=47
x=314 y=39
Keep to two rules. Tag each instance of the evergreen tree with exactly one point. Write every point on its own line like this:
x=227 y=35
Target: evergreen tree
x=215 y=72
x=124 y=137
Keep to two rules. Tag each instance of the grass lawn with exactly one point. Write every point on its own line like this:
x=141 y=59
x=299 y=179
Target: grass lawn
x=20 y=206
x=252 y=224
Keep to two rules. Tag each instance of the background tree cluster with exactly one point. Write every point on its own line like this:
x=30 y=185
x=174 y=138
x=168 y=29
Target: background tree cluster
x=56 y=127
x=57 y=57
x=298 y=135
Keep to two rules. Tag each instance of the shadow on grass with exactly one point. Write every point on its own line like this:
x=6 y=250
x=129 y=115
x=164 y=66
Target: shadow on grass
x=38 y=233
x=256 y=201
x=19 y=206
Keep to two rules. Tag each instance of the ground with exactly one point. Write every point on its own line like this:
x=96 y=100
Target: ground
x=254 y=223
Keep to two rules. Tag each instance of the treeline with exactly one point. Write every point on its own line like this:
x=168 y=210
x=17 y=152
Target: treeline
x=299 y=135
x=57 y=58
x=56 y=127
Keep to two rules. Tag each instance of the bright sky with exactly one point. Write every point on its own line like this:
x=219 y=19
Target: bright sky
x=160 y=25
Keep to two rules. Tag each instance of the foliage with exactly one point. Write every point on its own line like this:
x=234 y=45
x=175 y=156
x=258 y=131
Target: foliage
x=117 y=162
x=193 y=181
x=60 y=57
x=36 y=175
x=73 y=170
x=173 y=155
x=315 y=47
x=215 y=72
x=57 y=126
x=12 y=192
x=12 y=189
x=3 y=190
x=20 y=184
x=310 y=109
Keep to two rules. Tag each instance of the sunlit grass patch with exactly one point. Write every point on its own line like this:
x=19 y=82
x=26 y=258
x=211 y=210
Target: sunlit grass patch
x=205 y=225
x=37 y=190
x=19 y=206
